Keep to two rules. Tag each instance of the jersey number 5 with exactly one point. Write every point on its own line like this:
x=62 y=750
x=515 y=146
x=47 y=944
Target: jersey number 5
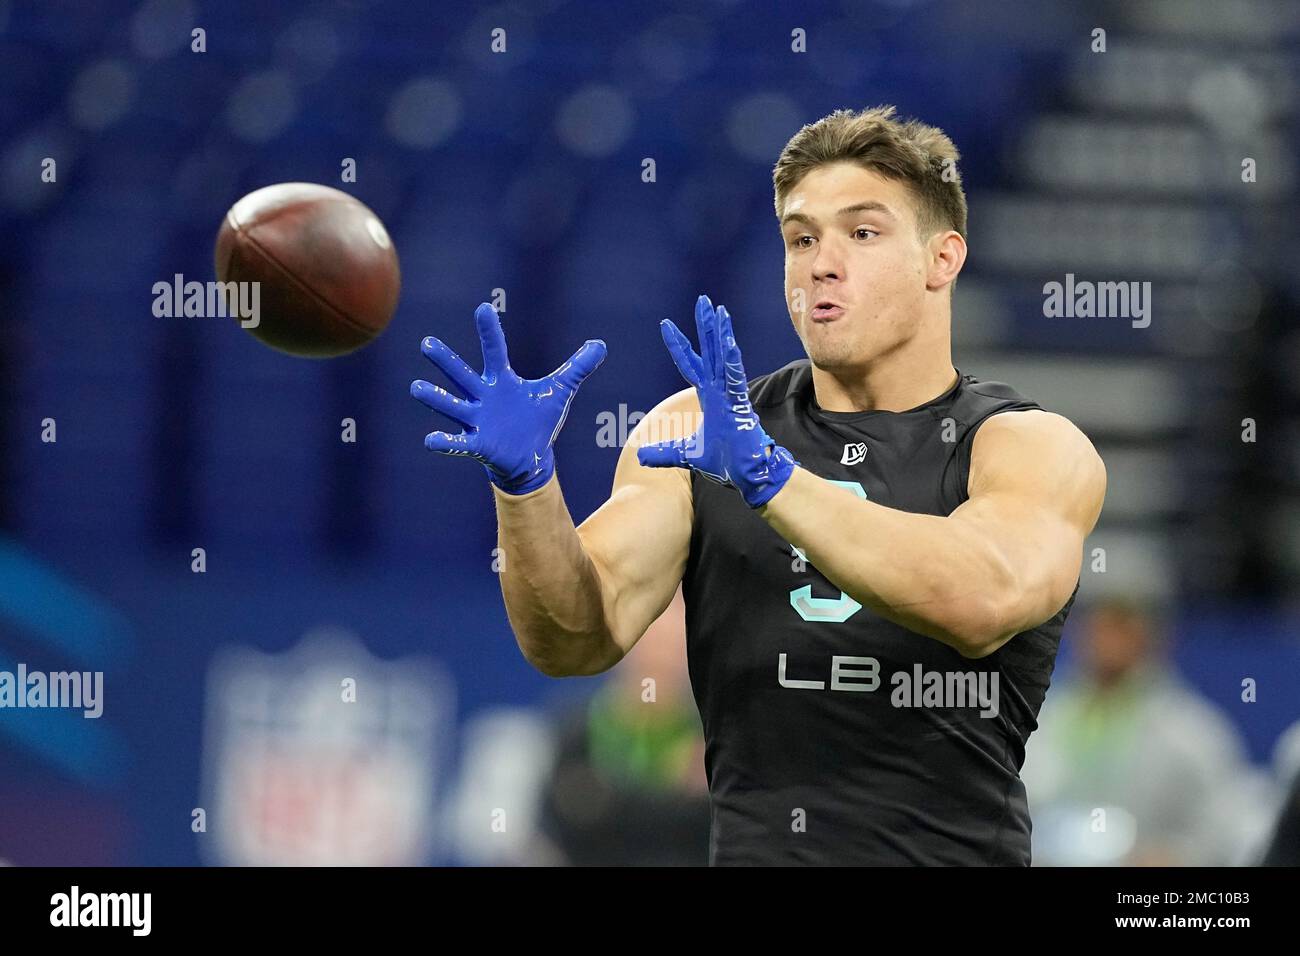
x=833 y=610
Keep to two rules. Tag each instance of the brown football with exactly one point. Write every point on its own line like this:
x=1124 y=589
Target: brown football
x=327 y=270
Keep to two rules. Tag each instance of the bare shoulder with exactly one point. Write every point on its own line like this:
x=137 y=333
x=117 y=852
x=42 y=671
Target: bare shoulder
x=1042 y=452
x=677 y=416
x=1036 y=430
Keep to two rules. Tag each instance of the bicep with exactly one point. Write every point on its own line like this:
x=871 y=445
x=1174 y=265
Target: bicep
x=639 y=539
x=1036 y=489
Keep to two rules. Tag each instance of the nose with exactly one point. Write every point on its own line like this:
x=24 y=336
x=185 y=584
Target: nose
x=828 y=263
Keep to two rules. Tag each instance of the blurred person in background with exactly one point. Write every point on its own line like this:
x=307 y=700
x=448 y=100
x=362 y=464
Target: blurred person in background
x=628 y=786
x=1131 y=765
x=1284 y=846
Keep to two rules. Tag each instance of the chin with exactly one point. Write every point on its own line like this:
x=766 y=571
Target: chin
x=834 y=358
x=833 y=353
x=837 y=353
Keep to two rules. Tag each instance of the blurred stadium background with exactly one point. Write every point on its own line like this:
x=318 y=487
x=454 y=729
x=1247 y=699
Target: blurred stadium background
x=522 y=171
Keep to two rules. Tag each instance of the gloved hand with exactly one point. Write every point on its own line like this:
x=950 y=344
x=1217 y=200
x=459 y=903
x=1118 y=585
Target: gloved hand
x=730 y=446
x=510 y=422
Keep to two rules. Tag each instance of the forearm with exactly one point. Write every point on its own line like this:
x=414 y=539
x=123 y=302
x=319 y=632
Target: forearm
x=928 y=573
x=551 y=588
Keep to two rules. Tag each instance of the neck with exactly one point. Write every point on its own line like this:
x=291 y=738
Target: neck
x=916 y=372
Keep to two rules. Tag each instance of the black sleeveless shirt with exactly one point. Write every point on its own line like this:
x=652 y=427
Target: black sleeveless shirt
x=816 y=752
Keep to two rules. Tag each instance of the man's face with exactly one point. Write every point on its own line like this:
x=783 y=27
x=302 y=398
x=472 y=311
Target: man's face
x=1114 y=643
x=851 y=239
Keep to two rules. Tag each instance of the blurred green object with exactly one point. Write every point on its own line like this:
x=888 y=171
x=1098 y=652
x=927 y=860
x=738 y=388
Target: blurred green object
x=645 y=743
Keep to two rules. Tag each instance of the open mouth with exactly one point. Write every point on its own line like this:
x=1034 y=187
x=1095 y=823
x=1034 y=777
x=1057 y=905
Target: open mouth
x=826 y=310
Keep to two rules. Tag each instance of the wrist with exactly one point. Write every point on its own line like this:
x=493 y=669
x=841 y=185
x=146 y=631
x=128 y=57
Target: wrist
x=526 y=480
x=767 y=476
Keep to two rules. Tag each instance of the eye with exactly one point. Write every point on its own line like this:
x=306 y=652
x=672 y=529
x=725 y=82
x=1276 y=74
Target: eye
x=798 y=242
x=861 y=229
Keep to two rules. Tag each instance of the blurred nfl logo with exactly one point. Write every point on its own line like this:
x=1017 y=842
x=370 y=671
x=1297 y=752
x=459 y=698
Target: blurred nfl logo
x=323 y=755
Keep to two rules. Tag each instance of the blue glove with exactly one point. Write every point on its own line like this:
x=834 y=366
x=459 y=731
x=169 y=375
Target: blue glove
x=510 y=422
x=730 y=446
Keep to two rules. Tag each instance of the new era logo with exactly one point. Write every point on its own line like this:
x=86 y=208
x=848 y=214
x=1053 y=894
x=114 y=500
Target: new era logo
x=854 y=453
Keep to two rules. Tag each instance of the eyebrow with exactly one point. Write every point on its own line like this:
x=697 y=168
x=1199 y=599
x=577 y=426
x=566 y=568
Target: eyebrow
x=870 y=206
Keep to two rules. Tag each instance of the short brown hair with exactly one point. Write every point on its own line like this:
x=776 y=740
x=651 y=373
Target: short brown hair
x=921 y=156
